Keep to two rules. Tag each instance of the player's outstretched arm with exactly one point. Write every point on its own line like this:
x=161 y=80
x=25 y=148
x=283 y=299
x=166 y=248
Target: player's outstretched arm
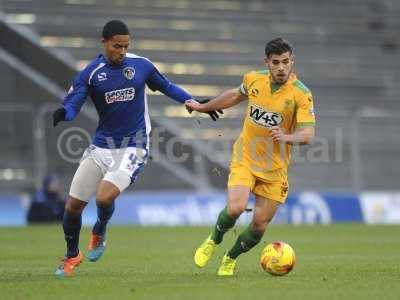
x=214 y=114
x=227 y=99
x=159 y=82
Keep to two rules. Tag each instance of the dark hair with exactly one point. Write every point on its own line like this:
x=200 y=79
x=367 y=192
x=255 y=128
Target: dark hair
x=278 y=46
x=114 y=27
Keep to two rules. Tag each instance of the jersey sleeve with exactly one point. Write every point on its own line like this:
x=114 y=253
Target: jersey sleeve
x=305 y=110
x=76 y=96
x=244 y=86
x=158 y=82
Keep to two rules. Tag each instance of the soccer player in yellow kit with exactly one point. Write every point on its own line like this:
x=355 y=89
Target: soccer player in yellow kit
x=279 y=115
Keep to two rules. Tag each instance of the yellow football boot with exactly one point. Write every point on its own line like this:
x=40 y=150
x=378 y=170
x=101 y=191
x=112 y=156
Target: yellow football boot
x=204 y=252
x=227 y=267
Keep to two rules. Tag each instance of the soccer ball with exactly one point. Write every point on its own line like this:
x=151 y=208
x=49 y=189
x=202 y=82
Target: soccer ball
x=277 y=258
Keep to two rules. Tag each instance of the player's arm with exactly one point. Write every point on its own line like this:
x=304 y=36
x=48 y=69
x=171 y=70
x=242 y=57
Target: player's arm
x=302 y=136
x=158 y=82
x=227 y=99
x=73 y=101
x=305 y=123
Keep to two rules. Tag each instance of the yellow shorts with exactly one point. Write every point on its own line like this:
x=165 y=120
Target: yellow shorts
x=273 y=185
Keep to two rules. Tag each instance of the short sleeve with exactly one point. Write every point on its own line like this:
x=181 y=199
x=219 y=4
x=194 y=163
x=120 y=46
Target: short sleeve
x=243 y=87
x=305 y=110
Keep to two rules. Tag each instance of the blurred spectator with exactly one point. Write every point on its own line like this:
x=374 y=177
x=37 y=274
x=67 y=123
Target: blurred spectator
x=47 y=204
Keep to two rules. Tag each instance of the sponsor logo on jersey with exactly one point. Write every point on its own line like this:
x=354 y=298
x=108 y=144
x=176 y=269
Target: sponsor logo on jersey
x=120 y=95
x=129 y=73
x=254 y=92
x=264 y=118
x=102 y=76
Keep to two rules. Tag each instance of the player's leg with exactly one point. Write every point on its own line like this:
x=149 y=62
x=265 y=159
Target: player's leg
x=264 y=211
x=269 y=195
x=83 y=186
x=240 y=182
x=105 y=197
x=72 y=222
x=106 y=194
x=238 y=197
x=127 y=165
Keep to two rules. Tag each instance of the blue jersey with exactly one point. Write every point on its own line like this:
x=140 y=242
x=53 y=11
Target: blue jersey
x=118 y=93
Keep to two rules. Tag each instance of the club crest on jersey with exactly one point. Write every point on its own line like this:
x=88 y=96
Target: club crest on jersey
x=288 y=103
x=129 y=73
x=264 y=118
x=120 y=95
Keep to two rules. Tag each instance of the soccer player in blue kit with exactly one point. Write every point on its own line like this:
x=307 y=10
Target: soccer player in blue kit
x=116 y=84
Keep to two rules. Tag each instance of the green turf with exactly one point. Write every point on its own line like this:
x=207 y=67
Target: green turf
x=333 y=262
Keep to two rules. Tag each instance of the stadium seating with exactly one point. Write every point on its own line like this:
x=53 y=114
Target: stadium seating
x=347 y=53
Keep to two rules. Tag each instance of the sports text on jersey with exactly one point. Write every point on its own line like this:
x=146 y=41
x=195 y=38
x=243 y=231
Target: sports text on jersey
x=264 y=118
x=120 y=95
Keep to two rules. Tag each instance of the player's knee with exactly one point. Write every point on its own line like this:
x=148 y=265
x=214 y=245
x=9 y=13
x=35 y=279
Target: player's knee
x=74 y=205
x=104 y=199
x=259 y=227
x=236 y=209
x=268 y=219
x=106 y=194
x=260 y=223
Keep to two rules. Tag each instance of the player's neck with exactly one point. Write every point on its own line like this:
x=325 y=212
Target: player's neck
x=275 y=86
x=111 y=63
x=274 y=82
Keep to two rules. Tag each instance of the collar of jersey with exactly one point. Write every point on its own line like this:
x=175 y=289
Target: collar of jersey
x=105 y=60
x=278 y=86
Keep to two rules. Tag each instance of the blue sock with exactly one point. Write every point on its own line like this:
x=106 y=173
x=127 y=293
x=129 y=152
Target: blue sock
x=72 y=224
x=103 y=216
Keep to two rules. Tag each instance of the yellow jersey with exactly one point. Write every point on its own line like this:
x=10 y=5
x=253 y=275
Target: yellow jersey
x=289 y=106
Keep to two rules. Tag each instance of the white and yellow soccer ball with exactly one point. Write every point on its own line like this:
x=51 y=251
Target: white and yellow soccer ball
x=277 y=258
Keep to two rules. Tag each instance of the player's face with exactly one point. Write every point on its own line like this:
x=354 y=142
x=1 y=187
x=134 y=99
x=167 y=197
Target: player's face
x=116 y=47
x=280 y=66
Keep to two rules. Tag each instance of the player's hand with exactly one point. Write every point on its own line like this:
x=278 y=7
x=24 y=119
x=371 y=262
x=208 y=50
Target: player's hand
x=214 y=114
x=58 y=116
x=196 y=105
x=278 y=135
x=192 y=105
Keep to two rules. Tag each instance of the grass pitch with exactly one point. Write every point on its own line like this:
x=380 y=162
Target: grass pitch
x=333 y=262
